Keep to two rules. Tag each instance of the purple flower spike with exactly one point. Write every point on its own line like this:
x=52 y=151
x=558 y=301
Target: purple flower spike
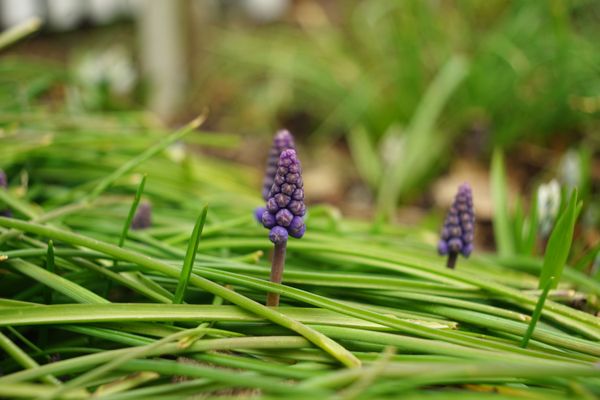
x=283 y=213
x=458 y=231
x=281 y=210
x=143 y=217
x=283 y=140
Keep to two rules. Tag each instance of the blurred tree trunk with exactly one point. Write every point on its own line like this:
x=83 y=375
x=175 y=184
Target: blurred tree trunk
x=162 y=29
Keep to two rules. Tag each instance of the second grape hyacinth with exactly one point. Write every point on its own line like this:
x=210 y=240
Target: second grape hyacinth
x=284 y=212
x=457 y=233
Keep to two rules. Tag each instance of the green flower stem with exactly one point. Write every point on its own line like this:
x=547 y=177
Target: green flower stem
x=277 y=272
x=328 y=345
x=452 y=256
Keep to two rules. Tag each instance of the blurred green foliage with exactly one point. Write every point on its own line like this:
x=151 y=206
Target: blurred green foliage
x=363 y=71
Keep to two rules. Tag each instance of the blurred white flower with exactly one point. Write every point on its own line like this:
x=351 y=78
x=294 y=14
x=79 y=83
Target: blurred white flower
x=548 y=202
x=176 y=152
x=393 y=145
x=266 y=10
x=570 y=170
x=112 y=67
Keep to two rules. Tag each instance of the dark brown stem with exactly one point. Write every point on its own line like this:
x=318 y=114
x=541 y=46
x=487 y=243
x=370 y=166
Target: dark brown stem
x=277 y=272
x=452 y=256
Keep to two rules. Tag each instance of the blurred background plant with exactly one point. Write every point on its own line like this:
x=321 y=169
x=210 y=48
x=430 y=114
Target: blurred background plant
x=510 y=71
x=384 y=97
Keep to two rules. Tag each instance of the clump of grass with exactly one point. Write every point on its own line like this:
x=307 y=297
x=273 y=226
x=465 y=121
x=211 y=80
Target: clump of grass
x=458 y=232
x=367 y=313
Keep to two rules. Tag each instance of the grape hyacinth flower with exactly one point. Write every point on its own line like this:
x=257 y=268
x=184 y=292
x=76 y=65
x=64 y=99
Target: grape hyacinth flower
x=457 y=233
x=283 y=140
x=283 y=213
x=3 y=185
x=143 y=217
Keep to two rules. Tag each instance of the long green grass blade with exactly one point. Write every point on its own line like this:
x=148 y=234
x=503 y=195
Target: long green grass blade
x=190 y=257
x=23 y=358
x=537 y=312
x=559 y=244
x=138 y=352
x=530 y=236
x=36 y=391
x=123 y=312
x=149 y=153
x=502 y=226
x=85 y=362
x=320 y=340
x=132 y=210
x=56 y=282
x=51 y=267
x=6 y=198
